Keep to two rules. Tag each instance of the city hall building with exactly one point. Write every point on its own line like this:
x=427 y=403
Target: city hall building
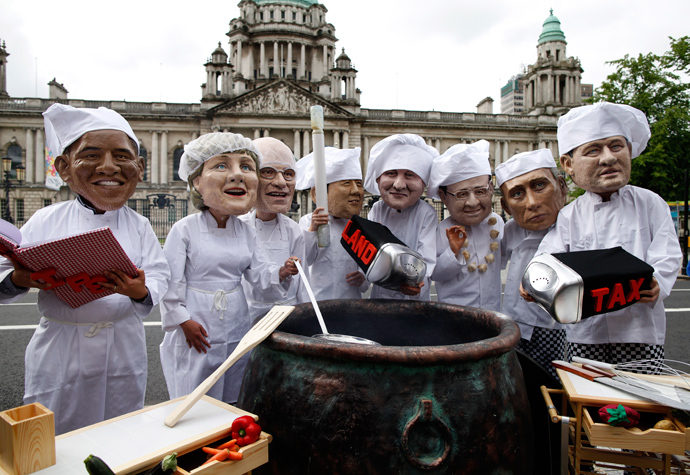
x=280 y=59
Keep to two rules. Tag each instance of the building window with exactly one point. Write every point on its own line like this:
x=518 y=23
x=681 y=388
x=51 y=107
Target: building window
x=19 y=211
x=271 y=14
x=47 y=202
x=143 y=153
x=294 y=16
x=282 y=14
x=261 y=16
x=177 y=154
x=270 y=72
x=294 y=72
x=15 y=153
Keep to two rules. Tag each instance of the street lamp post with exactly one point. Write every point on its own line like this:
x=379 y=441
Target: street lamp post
x=7 y=184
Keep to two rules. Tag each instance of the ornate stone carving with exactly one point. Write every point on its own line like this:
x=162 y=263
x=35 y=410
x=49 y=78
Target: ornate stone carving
x=279 y=98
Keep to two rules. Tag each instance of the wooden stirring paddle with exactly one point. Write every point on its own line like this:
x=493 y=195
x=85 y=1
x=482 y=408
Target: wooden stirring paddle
x=253 y=337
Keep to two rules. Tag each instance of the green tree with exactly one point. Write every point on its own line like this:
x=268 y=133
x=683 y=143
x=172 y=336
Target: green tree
x=659 y=87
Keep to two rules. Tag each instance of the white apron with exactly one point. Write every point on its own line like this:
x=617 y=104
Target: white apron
x=216 y=260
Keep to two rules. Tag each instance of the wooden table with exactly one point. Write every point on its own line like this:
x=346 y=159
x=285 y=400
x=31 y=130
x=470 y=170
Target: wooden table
x=137 y=441
x=593 y=441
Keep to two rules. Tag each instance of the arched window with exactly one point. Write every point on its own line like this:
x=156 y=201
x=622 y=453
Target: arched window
x=14 y=151
x=177 y=155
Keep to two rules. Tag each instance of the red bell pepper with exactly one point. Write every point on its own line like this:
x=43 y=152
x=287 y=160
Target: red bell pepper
x=245 y=430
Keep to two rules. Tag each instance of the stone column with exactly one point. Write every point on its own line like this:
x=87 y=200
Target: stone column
x=238 y=64
x=288 y=66
x=497 y=153
x=155 y=158
x=296 y=148
x=262 y=58
x=306 y=148
x=267 y=132
x=336 y=139
x=302 y=62
x=578 y=90
x=30 y=155
x=276 y=59
x=325 y=61
x=164 y=158
x=257 y=133
x=506 y=153
x=530 y=146
x=542 y=144
x=437 y=145
x=346 y=139
x=40 y=172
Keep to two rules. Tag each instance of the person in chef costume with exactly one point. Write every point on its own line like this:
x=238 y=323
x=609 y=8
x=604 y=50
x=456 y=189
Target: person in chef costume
x=468 y=260
x=205 y=312
x=333 y=273
x=596 y=145
x=533 y=192
x=280 y=235
x=399 y=168
x=88 y=364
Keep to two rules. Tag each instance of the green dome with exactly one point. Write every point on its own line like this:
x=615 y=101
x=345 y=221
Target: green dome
x=552 y=30
x=301 y=3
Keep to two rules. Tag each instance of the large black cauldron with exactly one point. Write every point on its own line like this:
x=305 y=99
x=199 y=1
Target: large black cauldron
x=443 y=394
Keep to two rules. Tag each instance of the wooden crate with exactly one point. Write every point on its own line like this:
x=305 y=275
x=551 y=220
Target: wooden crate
x=253 y=456
x=650 y=440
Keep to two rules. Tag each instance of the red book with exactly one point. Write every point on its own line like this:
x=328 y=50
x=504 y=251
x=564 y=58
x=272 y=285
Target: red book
x=73 y=265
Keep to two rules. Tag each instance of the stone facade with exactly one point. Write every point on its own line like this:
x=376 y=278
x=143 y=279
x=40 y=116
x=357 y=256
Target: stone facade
x=281 y=62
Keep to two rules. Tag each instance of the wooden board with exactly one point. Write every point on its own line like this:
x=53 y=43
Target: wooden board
x=582 y=390
x=133 y=442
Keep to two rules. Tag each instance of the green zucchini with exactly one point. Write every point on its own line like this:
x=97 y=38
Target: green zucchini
x=96 y=466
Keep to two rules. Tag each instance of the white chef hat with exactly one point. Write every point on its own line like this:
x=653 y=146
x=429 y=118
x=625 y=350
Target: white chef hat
x=211 y=145
x=399 y=152
x=341 y=164
x=522 y=163
x=274 y=152
x=66 y=124
x=460 y=162
x=602 y=120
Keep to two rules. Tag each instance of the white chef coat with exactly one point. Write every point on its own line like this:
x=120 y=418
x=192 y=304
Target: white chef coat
x=416 y=227
x=85 y=380
x=281 y=238
x=519 y=246
x=640 y=222
x=454 y=282
x=329 y=266
x=207 y=264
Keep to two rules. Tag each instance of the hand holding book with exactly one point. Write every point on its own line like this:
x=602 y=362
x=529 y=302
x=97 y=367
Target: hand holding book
x=78 y=268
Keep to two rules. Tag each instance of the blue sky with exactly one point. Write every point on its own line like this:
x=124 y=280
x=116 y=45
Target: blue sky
x=422 y=55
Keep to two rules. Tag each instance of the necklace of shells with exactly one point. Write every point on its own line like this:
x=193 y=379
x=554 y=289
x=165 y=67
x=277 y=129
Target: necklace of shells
x=489 y=258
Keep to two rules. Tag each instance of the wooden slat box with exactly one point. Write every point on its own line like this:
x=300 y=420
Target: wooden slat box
x=137 y=441
x=650 y=440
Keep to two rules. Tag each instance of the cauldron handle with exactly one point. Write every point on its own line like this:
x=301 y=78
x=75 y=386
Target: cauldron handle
x=425 y=417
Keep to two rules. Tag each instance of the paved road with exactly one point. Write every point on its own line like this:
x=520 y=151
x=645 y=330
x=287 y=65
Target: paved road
x=18 y=321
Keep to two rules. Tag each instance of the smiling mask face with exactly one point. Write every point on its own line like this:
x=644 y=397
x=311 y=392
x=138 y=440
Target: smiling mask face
x=103 y=167
x=228 y=184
